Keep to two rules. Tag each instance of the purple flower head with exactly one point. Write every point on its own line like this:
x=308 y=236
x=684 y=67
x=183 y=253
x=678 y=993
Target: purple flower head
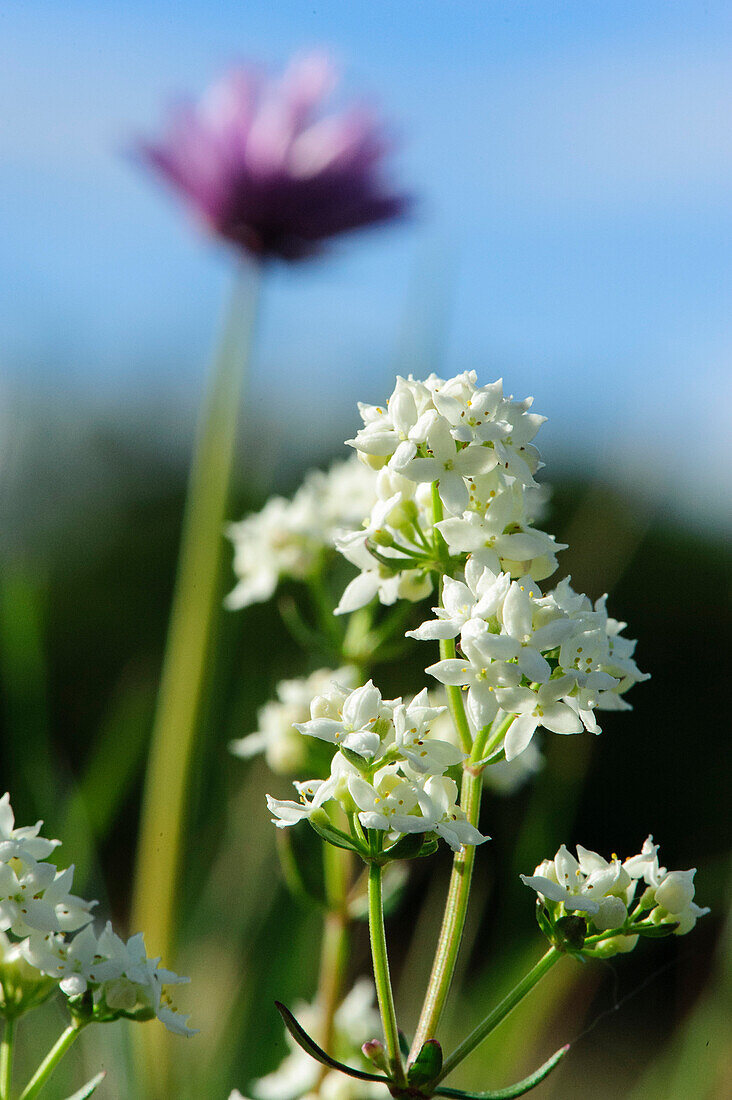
x=264 y=167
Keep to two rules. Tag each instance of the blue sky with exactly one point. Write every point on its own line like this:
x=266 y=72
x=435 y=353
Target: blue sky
x=573 y=163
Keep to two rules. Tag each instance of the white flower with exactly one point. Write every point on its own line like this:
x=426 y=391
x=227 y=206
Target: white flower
x=355 y=726
x=277 y=737
x=481 y=678
x=589 y=884
x=395 y=430
x=391 y=802
x=26 y=838
x=672 y=891
x=426 y=755
x=481 y=595
x=313 y=794
x=287 y=538
x=536 y=708
x=447 y=465
x=449 y=820
x=34 y=897
x=604 y=890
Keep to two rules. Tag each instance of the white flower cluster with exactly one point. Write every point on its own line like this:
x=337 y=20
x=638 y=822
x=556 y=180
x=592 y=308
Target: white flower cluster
x=504 y=777
x=548 y=660
x=356 y=1021
x=288 y=537
x=284 y=749
x=391 y=773
x=604 y=890
x=475 y=445
x=38 y=909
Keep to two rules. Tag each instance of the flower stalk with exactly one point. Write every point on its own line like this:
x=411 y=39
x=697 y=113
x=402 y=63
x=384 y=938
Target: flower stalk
x=382 y=979
x=453 y=923
x=52 y=1059
x=188 y=649
x=501 y=1011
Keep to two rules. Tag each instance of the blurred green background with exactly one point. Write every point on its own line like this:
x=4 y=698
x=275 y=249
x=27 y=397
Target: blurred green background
x=88 y=556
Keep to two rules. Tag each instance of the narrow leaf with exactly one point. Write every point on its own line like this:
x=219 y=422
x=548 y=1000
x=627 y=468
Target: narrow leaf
x=404 y=1044
x=519 y=1089
x=89 y=1087
x=333 y=836
x=310 y=1047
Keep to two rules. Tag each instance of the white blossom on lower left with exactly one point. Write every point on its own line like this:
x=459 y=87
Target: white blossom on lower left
x=37 y=914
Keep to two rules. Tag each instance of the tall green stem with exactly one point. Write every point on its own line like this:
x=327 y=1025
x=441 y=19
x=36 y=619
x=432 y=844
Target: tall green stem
x=52 y=1059
x=382 y=979
x=453 y=923
x=499 y=1013
x=189 y=638
x=458 y=894
x=6 y=1058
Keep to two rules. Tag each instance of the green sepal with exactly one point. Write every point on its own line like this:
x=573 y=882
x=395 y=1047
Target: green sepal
x=413 y=846
x=90 y=1087
x=572 y=932
x=543 y=920
x=320 y=822
x=518 y=1089
x=359 y=762
x=655 y=931
x=427 y=1065
x=429 y=847
x=310 y=1047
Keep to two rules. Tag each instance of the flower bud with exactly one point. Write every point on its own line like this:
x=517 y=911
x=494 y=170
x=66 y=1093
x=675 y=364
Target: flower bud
x=374 y=1051
x=676 y=892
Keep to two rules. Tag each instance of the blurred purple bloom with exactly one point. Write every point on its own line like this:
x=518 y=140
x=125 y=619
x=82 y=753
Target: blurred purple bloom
x=263 y=167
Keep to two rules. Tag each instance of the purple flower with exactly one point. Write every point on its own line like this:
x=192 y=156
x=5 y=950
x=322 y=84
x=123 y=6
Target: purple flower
x=265 y=169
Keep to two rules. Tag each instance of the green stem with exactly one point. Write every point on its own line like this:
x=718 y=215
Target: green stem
x=382 y=979
x=453 y=923
x=454 y=695
x=499 y=1013
x=192 y=616
x=458 y=894
x=52 y=1059
x=6 y=1058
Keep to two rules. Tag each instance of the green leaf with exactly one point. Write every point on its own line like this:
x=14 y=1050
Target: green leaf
x=427 y=1065
x=322 y=826
x=519 y=1089
x=407 y=847
x=404 y=1045
x=310 y=1047
x=89 y=1087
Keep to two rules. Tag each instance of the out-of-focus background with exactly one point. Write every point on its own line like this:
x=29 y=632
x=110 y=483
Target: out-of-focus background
x=573 y=165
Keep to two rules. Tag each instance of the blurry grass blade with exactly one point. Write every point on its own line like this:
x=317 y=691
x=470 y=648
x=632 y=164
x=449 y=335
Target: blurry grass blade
x=297 y=879
x=310 y=1047
x=89 y=1087
x=518 y=1089
x=118 y=752
x=24 y=688
x=195 y=601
